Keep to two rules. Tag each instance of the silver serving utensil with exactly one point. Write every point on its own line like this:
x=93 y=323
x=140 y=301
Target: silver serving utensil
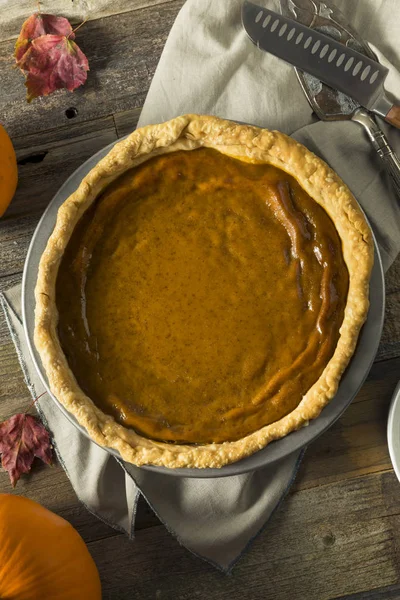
x=327 y=102
x=330 y=104
x=340 y=67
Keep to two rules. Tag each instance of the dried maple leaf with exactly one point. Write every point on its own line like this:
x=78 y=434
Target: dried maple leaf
x=22 y=437
x=53 y=62
x=48 y=56
x=37 y=25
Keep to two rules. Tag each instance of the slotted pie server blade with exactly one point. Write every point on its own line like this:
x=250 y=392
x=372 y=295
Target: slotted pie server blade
x=340 y=67
x=328 y=103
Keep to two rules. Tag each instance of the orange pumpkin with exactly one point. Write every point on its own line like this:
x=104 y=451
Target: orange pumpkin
x=42 y=556
x=8 y=171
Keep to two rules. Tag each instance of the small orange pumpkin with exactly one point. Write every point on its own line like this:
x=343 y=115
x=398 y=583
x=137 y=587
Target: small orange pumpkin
x=42 y=556
x=8 y=171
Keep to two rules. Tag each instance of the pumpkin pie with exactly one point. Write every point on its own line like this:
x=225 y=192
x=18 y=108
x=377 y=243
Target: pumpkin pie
x=202 y=292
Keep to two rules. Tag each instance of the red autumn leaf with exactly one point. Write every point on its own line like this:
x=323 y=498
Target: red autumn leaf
x=22 y=437
x=51 y=63
x=37 y=25
x=48 y=56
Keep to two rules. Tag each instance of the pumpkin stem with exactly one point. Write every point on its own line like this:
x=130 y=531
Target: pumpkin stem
x=35 y=400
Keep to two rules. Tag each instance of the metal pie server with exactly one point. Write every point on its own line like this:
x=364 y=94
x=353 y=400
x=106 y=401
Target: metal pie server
x=329 y=28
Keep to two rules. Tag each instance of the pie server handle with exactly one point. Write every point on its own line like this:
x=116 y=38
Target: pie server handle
x=380 y=143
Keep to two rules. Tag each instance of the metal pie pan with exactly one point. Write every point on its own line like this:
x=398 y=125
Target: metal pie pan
x=351 y=381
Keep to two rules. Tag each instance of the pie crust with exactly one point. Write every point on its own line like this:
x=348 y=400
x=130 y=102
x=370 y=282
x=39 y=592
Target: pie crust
x=243 y=142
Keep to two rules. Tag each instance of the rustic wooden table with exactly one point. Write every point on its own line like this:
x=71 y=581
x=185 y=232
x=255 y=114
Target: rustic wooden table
x=337 y=534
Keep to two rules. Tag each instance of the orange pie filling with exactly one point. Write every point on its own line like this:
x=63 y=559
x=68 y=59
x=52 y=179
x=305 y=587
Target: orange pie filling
x=200 y=297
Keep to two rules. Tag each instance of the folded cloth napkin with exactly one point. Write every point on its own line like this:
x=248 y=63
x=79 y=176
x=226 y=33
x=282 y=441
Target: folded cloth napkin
x=209 y=66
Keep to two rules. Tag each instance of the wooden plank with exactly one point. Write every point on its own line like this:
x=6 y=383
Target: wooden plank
x=390 y=592
x=15 y=237
x=123 y=52
x=51 y=487
x=323 y=543
x=125 y=121
x=393 y=277
x=390 y=342
x=390 y=492
x=357 y=443
x=43 y=168
x=46 y=162
x=14 y=12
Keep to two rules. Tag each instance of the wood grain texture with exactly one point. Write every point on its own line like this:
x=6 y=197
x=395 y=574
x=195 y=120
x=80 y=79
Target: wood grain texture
x=356 y=444
x=337 y=535
x=390 y=592
x=14 y=12
x=331 y=516
x=125 y=121
x=393 y=278
x=390 y=342
x=323 y=543
x=123 y=52
x=43 y=168
x=44 y=164
x=393 y=116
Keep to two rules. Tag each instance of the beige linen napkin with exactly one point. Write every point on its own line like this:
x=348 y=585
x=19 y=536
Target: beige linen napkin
x=209 y=66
